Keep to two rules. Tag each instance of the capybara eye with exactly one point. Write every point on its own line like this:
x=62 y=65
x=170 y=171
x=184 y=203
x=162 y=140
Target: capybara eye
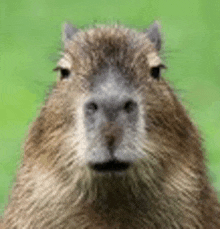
x=155 y=72
x=64 y=73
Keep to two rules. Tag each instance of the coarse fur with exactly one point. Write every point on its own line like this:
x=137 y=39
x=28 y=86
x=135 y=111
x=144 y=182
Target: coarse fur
x=166 y=185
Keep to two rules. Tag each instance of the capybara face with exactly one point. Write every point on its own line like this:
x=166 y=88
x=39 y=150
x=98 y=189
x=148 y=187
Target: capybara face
x=111 y=78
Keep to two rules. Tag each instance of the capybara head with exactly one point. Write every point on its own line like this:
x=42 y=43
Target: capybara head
x=111 y=113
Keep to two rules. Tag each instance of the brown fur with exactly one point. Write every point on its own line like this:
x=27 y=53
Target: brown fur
x=166 y=188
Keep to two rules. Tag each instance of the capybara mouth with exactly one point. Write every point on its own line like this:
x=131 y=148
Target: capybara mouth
x=111 y=166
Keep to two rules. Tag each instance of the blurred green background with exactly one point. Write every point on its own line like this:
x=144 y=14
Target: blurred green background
x=30 y=41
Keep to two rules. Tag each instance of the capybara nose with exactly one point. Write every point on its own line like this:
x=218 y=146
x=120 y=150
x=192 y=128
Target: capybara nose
x=111 y=109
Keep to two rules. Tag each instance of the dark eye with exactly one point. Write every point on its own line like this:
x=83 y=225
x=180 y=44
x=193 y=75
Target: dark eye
x=156 y=71
x=64 y=72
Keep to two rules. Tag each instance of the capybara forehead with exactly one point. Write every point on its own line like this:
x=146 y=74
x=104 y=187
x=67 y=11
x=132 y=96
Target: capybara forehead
x=88 y=52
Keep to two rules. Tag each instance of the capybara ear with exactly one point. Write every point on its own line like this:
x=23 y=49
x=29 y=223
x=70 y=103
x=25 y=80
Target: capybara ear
x=153 y=33
x=68 y=32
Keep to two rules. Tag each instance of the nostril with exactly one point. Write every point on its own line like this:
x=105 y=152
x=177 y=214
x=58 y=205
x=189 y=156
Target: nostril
x=130 y=106
x=91 y=108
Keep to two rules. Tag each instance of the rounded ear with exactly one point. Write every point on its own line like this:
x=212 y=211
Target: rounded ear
x=153 y=33
x=68 y=31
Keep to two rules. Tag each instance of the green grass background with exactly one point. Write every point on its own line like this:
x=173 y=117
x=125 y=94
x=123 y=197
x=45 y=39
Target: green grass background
x=30 y=40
